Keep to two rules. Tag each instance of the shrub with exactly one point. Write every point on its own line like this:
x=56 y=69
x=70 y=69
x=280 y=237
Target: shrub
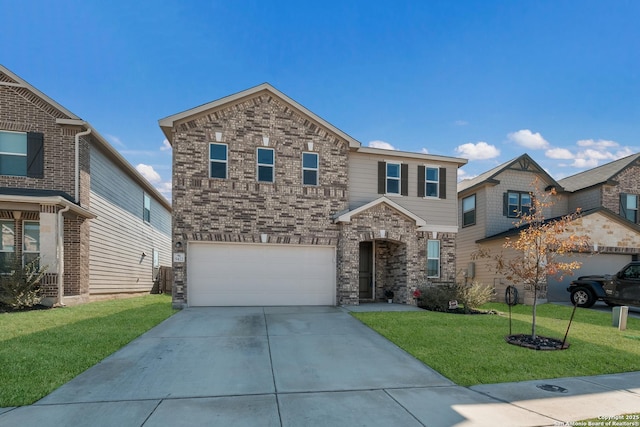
x=473 y=295
x=436 y=297
x=20 y=288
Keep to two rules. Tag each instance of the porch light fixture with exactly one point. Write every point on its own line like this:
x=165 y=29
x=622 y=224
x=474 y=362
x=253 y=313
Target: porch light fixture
x=178 y=245
x=264 y=238
x=218 y=136
x=265 y=141
x=383 y=234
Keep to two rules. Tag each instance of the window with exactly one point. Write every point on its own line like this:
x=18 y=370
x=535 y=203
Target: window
x=266 y=160
x=7 y=245
x=517 y=203
x=433 y=258
x=393 y=178
x=13 y=153
x=309 y=168
x=469 y=210
x=31 y=242
x=218 y=160
x=629 y=207
x=22 y=154
x=146 y=215
x=432 y=182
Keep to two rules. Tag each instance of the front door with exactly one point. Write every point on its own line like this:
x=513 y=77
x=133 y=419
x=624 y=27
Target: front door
x=366 y=270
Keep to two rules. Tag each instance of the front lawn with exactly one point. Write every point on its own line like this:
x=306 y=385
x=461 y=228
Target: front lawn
x=470 y=349
x=41 y=350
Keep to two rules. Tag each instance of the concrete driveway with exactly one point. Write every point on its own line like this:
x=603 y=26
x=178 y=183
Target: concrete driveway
x=272 y=366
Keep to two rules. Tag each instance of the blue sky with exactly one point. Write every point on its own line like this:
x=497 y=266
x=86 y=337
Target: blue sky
x=484 y=80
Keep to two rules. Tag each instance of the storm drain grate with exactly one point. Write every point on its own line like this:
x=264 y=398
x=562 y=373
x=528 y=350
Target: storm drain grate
x=552 y=388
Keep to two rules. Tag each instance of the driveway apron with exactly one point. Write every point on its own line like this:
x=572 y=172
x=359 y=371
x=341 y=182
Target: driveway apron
x=258 y=366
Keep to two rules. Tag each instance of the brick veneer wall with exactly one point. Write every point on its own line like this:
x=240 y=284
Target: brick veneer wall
x=240 y=209
x=628 y=182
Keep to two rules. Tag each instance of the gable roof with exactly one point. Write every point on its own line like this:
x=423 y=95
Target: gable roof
x=168 y=123
x=604 y=211
x=346 y=216
x=599 y=175
x=66 y=117
x=524 y=162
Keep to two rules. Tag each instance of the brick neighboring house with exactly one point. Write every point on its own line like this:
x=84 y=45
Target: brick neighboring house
x=70 y=199
x=272 y=205
x=488 y=201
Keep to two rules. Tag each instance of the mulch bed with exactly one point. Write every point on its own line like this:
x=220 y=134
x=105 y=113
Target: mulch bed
x=5 y=309
x=537 y=343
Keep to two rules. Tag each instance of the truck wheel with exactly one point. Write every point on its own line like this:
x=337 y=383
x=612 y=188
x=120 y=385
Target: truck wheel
x=582 y=297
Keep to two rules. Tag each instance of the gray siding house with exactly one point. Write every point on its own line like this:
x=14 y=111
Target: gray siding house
x=70 y=199
x=272 y=205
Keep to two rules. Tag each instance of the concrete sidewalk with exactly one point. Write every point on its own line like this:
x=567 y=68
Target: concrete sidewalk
x=301 y=366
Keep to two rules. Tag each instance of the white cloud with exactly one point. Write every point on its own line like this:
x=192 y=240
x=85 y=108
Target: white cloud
x=600 y=144
x=585 y=163
x=424 y=151
x=165 y=145
x=462 y=175
x=478 y=151
x=381 y=144
x=115 y=140
x=461 y=123
x=149 y=173
x=528 y=139
x=559 y=153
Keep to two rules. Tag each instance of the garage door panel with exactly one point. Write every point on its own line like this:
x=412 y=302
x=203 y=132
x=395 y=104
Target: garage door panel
x=247 y=274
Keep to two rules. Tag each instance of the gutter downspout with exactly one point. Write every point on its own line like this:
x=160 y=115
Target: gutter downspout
x=77 y=162
x=60 y=251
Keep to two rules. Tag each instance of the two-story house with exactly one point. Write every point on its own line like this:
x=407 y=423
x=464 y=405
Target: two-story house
x=71 y=201
x=273 y=205
x=488 y=207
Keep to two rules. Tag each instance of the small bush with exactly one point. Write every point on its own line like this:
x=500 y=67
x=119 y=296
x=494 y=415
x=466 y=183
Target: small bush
x=435 y=297
x=474 y=295
x=20 y=288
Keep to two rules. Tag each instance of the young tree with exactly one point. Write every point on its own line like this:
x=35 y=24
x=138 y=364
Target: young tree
x=537 y=251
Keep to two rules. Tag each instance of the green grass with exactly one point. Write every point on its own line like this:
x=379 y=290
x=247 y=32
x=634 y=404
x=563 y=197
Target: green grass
x=41 y=350
x=470 y=349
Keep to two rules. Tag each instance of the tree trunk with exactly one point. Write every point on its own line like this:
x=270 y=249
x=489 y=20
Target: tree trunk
x=535 y=306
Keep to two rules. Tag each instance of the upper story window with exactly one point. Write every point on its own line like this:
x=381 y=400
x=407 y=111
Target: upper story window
x=393 y=178
x=22 y=154
x=30 y=242
x=7 y=245
x=310 y=168
x=218 y=160
x=266 y=162
x=469 y=210
x=146 y=213
x=432 y=182
x=517 y=203
x=629 y=207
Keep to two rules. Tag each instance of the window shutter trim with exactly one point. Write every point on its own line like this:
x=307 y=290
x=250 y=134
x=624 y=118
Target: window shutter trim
x=404 y=179
x=442 y=176
x=623 y=206
x=35 y=155
x=421 y=181
x=382 y=177
x=505 y=204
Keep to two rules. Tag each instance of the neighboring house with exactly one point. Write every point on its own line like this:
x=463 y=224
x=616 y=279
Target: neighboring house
x=275 y=206
x=70 y=200
x=489 y=206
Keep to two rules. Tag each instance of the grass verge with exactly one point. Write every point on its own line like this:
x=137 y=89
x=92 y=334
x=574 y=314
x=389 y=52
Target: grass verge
x=470 y=349
x=41 y=350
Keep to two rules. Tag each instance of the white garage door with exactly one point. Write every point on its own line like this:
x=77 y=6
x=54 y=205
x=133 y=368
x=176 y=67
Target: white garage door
x=591 y=264
x=249 y=275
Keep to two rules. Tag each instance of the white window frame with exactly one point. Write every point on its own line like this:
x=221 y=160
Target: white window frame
x=224 y=161
x=16 y=154
x=428 y=181
x=24 y=241
x=146 y=208
x=316 y=169
x=4 y=250
x=398 y=178
x=475 y=200
x=266 y=165
x=430 y=257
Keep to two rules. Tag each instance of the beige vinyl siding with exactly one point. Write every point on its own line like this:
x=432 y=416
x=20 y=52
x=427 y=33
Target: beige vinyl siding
x=117 y=241
x=363 y=187
x=467 y=236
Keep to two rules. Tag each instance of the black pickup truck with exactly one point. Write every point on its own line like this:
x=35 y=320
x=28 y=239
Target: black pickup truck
x=623 y=288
